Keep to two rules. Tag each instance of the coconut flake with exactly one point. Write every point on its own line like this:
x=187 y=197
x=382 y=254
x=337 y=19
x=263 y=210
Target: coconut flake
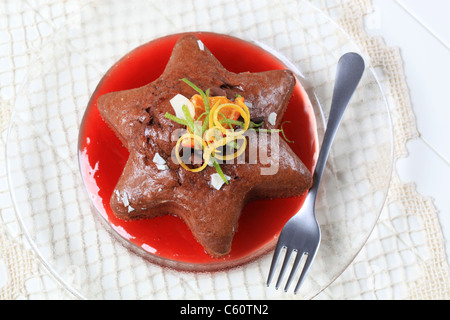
x=160 y=162
x=217 y=182
x=117 y=194
x=125 y=200
x=201 y=45
x=162 y=167
x=157 y=159
x=272 y=118
x=178 y=102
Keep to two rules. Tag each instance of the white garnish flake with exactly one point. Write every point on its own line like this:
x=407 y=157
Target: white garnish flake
x=160 y=162
x=272 y=118
x=201 y=45
x=178 y=102
x=125 y=200
x=217 y=182
x=158 y=159
x=162 y=167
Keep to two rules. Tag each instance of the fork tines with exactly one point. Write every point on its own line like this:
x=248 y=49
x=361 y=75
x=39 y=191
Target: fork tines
x=294 y=269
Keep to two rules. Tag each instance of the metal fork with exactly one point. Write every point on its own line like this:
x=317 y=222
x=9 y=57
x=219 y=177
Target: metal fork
x=301 y=234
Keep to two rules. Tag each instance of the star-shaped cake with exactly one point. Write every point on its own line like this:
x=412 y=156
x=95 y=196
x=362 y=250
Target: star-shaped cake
x=152 y=184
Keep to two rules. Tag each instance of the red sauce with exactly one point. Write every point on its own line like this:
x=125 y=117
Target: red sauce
x=102 y=156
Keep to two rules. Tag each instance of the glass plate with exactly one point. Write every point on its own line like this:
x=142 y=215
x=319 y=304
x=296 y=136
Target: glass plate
x=42 y=165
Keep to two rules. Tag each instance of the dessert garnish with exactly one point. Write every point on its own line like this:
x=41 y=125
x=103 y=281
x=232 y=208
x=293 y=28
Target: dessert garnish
x=212 y=123
x=184 y=160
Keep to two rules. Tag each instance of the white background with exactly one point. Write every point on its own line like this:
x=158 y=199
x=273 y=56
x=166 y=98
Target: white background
x=421 y=29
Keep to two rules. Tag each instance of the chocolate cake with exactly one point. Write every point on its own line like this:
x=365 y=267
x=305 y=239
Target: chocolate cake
x=153 y=184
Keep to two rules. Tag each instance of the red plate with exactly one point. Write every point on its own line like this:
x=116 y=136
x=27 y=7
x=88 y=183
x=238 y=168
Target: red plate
x=102 y=158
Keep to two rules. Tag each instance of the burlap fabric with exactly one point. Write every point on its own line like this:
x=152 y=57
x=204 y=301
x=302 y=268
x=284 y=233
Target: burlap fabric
x=404 y=257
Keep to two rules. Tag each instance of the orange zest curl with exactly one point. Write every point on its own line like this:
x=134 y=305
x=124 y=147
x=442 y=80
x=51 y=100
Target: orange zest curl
x=215 y=126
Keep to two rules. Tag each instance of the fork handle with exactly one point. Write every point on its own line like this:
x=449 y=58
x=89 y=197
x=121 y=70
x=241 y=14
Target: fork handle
x=350 y=70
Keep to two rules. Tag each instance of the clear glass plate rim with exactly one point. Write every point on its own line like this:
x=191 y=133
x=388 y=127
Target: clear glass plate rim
x=392 y=158
x=77 y=294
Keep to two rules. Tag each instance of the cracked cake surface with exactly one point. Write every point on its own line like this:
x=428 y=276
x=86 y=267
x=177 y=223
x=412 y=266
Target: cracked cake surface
x=152 y=184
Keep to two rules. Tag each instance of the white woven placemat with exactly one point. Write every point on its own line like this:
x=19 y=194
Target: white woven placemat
x=404 y=258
